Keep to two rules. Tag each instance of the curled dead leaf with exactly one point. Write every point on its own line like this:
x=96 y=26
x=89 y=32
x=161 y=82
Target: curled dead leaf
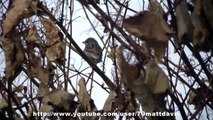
x=46 y=108
x=150 y=99
x=155 y=78
x=154 y=6
x=56 y=45
x=60 y=100
x=184 y=23
x=17 y=12
x=32 y=35
x=84 y=98
x=208 y=9
x=3 y=103
x=151 y=28
x=111 y=54
x=34 y=6
x=42 y=91
x=14 y=55
x=194 y=98
x=202 y=38
x=43 y=74
x=108 y=105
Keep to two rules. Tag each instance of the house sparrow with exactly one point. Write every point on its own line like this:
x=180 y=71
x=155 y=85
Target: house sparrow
x=92 y=50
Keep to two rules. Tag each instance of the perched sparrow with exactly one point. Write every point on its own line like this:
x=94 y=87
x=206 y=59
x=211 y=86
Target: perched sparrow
x=93 y=50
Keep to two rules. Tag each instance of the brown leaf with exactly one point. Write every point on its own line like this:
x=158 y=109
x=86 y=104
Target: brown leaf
x=32 y=35
x=84 y=97
x=155 y=78
x=128 y=72
x=151 y=28
x=201 y=36
x=54 y=52
x=59 y=99
x=56 y=46
x=34 y=6
x=43 y=74
x=111 y=99
x=155 y=7
x=42 y=91
x=194 y=98
x=30 y=112
x=3 y=103
x=14 y=55
x=149 y=100
x=136 y=85
x=17 y=12
x=111 y=54
x=184 y=23
x=208 y=9
x=46 y=108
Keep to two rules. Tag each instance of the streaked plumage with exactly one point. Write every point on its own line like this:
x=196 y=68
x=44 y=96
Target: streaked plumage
x=93 y=50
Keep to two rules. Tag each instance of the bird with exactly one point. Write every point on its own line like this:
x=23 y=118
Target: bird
x=92 y=50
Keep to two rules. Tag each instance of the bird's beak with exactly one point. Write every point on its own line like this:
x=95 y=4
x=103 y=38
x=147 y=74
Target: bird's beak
x=84 y=42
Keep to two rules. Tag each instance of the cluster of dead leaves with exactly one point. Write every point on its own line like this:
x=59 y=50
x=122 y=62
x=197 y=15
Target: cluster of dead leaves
x=150 y=27
x=197 y=26
x=55 y=44
x=148 y=85
x=12 y=40
x=202 y=21
x=18 y=98
x=58 y=100
x=26 y=49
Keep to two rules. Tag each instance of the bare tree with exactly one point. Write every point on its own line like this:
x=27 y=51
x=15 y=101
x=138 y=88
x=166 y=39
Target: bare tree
x=161 y=59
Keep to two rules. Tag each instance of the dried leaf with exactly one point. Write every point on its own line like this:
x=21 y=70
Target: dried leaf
x=208 y=9
x=34 y=6
x=136 y=85
x=3 y=103
x=150 y=101
x=43 y=74
x=201 y=36
x=84 y=97
x=111 y=54
x=38 y=71
x=128 y=72
x=32 y=35
x=42 y=91
x=17 y=12
x=184 y=23
x=53 y=52
x=154 y=6
x=56 y=46
x=59 y=99
x=18 y=117
x=46 y=108
x=155 y=78
x=30 y=113
x=194 y=98
x=14 y=55
x=108 y=105
x=51 y=31
x=151 y=28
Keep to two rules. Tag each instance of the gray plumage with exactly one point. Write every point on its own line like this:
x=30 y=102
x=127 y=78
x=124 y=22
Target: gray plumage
x=93 y=50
